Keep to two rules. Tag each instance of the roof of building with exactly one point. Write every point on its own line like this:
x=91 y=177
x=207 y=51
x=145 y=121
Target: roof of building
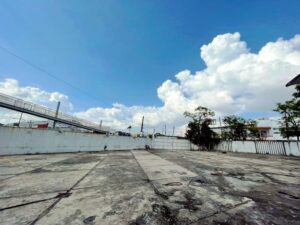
x=264 y=127
x=295 y=80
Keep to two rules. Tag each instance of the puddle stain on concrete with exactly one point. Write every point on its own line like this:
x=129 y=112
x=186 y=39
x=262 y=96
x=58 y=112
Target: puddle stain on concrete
x=270 y=203
x=191 y=188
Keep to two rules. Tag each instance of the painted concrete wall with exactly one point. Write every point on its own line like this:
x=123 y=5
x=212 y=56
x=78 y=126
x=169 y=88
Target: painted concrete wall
x=172 y=143
x=292 y=148
x=14 y=140
x=26 y=140
x=242 y=146
x=263 y=147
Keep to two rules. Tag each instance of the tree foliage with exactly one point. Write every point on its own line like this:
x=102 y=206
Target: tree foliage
x=199 y=132
x=253 y=131
x=201 y=114
x=290 y=112
x=238 y=128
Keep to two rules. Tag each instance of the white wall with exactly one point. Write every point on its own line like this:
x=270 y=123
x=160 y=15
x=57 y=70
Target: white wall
x=14 y=140
x=172 y=143
x=243 y=146
x=292 y=148
x=263 y=147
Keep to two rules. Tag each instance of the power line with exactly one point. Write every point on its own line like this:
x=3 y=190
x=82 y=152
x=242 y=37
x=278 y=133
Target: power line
x=46 y=72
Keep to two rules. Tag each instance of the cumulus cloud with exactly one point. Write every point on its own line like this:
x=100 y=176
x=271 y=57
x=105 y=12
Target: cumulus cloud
x=224 y=48
x=34 y=94
x=235 y=80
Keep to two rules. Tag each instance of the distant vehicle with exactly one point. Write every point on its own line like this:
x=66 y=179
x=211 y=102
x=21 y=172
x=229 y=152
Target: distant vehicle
x=121 y=133
x=42 y=126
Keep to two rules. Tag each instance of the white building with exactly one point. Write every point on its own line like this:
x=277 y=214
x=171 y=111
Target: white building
x=268 y=128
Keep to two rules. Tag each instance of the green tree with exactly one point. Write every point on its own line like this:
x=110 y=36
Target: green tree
x=201 y=113
x=253 y=131
x=236 y=127
x=199 y=132
x=239 y=128
x=290 y=113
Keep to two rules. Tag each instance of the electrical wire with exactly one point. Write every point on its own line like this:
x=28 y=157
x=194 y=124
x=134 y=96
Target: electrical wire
x=47 y=73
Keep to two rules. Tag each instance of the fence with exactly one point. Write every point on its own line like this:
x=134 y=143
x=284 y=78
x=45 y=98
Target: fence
x=261 y=147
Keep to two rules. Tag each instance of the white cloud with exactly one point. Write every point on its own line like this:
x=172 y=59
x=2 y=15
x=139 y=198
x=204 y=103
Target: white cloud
x=235 y=80
x=34 y=94
x=224 y=48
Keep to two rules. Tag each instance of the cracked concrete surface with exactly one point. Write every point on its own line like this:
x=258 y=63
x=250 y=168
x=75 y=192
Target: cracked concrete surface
x=151 y=188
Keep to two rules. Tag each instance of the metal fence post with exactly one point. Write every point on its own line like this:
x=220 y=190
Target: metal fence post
x=255 y=147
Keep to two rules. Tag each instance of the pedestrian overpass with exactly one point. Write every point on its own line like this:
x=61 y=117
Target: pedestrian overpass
x=10 y=102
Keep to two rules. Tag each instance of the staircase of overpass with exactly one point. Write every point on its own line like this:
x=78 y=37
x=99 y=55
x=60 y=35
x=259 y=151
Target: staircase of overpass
x=10 y=102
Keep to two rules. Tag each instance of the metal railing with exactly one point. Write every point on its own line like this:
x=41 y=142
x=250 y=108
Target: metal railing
x=272 y=147
x=31 y=108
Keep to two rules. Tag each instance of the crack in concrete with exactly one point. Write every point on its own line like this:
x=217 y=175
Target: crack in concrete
x=46 y=211
x=49 y=164
x=271 y=178
x=59 y=195
x=29 y=195
x=34 y=169
x=221 y=211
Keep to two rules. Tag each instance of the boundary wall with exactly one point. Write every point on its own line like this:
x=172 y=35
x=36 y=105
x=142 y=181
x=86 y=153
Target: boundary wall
x=288 y=148
x=15 y=140
x=172 y=143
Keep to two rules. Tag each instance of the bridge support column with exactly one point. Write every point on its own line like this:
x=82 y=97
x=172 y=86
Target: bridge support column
x=56 y=113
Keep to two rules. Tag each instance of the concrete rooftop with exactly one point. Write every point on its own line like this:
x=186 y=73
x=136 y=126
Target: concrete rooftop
x=156 y=187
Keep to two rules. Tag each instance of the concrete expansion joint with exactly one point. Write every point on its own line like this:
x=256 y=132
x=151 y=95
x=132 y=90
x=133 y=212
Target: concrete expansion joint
x=139 y=187
x=221 y=211
x=272 y=179
x=60 y=196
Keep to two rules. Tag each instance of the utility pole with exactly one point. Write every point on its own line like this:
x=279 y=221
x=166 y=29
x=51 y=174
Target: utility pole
x=142 y=126
x=165 y=129
x=100 y=124
x=56 y=113
x=173 y=131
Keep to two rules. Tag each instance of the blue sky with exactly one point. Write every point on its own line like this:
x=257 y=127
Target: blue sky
x=122 y=51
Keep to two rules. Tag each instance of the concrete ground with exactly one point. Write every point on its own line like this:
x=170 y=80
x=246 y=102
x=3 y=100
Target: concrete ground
x=142 y=188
